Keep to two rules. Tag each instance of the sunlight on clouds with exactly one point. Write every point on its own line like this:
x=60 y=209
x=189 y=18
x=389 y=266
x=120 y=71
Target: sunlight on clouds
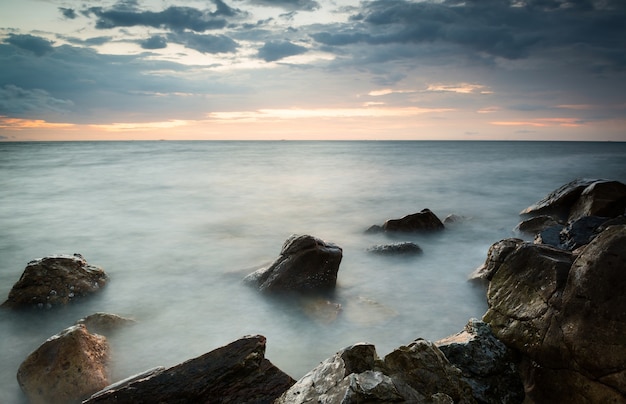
x=140 y=126
x=295 y=113
x=461 y=88
x=21 y=124
x=544 y=122
x=387 y=91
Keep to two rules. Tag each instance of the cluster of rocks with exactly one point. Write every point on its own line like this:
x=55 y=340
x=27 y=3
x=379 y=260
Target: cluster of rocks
x=554 y=330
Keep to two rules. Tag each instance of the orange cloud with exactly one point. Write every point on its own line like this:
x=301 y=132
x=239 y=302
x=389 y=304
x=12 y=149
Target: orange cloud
x=542 y=122
x=22 y=124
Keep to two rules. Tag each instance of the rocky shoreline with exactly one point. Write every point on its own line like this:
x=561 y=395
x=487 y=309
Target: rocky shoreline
x=554 y=331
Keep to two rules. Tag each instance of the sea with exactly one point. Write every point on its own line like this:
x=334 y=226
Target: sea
x=177 y=225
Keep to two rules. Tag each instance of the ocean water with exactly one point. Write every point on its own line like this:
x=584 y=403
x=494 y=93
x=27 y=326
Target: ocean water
x=177 y=225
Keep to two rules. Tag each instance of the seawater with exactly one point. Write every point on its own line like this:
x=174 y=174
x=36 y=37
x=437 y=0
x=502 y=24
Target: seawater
x=177 y=225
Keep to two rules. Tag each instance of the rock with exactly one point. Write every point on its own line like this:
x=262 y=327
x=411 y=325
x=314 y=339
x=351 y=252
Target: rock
x=406 y=248
x=550 y=236
x=536 y=224
x=486 y=364
x=320 y=309
x=67 y=368
x=495 y=257
x=365 y=311
x=582 y=197
x=421 y=221
x=374 y=229
x=235 y=373
x=602 y=198
x=453 y=218
x=305 y=264
x=567 y=321
x=55 y=280
x=104 y=323
x=580 y=231
x=559 y=202
x=417 y=373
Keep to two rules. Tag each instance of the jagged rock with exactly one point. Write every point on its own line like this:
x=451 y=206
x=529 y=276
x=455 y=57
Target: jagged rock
x=582 y=197
x=67 y=368
x=235 y=373
x=495 y=257
x=425 y=220
x=536 y=224
x=415 y=373
x=550 y=236
x=580 y=231
x=567 y=321
x=104 y=323
x=55 y=280
x=486 y=364
x=406 y=248
x=305 y=264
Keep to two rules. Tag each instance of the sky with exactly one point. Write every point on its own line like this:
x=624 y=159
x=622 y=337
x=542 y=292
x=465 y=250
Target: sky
x=313 y=69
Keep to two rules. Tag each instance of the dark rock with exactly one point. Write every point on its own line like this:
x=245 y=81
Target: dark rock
x=421 y=221
x=580 y=231
x=374 y=229
x=582 y=197
x=406 y=248
x=452 y=218
x=567 y=321
x=235 y=373
x=495 y=257
x=67 y=368
x=486 y=364
x=305 y=264
x=104 y=323
x=536 y=224
x=55 y=280
x=550 y=236
x=559 y=202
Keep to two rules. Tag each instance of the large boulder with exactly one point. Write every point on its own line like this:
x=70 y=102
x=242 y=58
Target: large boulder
x=305 y=264
x=67 y=368
x=496 y=255
x=567 y=320
x=55 y=280
x=582 y=197
x=418 y=372
x=235 y=373
x=422 y=221
x=486 y=364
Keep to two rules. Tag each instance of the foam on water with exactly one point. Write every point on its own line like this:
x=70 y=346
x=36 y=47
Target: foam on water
x=177 y=225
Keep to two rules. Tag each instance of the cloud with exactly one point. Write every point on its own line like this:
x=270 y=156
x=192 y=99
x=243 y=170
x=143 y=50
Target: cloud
x=276 y=50
x=175 y=18
x=305 y=5
x=17 y=101
x=154 y=42
x=37 y=45
x=68 y=13
x=204 y=43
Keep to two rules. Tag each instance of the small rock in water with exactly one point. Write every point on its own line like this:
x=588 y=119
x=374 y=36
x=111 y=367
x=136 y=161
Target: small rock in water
x=406 y=248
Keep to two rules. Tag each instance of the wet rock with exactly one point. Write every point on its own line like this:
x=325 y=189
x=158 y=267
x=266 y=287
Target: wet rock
x=305 y=264
x=567 y=321
x=582 y=197
x=580 y=232
x=495 y=257
x=235 y=373
x=67 y=368
x=406 y=248
x=536 y=224
x=453 y=218
x=486 y=364
x=55 y=280
x=104 y=323
x=550 y=236
x=374 y=229
x=320 y=309
x=425 y=220
x=415 y=373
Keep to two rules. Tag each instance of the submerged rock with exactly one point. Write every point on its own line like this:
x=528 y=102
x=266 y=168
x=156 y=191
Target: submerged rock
x=67 y=368
x=104 y=323
x=235 y=373
x=305 y=264
x=406 y=248
x=55 y=280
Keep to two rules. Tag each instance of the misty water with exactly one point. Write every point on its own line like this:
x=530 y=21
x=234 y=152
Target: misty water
x=177 y=225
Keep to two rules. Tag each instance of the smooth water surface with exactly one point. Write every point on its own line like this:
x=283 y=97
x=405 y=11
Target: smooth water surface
x=177 y=225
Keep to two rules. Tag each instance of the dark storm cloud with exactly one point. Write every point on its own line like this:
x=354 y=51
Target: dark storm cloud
x=154 y=42
x=174 y=17
x=16 y=101
x=276 y=50
x=68 y=13
x=204 y=43
x=37 y=45
x=305 y=5
x=492 y=27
